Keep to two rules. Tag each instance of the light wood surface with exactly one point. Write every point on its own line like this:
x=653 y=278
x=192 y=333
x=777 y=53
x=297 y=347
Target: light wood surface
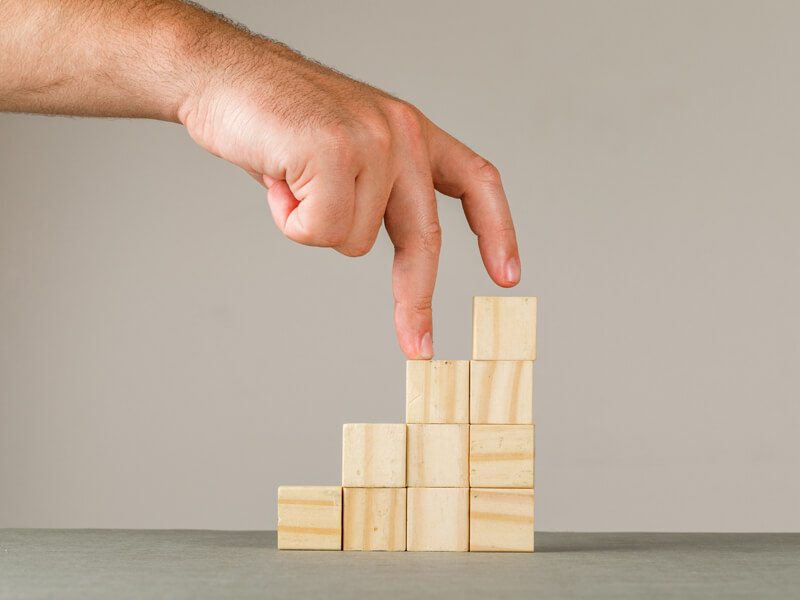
x=500 y=520
x=438 y=519
x=437 y=391
x=501 y=456
x=309 y=517
x=438 y=455
x=503 y=328
x=374 y=455
x=374 y=519
x=501 y=391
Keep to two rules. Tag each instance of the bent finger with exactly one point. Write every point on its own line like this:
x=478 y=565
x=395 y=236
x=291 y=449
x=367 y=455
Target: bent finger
x=461 y=173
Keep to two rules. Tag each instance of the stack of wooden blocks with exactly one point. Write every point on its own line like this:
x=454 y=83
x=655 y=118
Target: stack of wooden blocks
x=458 y=475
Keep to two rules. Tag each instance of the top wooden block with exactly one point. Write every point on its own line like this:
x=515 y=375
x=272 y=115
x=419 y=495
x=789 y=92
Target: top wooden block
x=503 y=328
x=374 y=455
x=437 y=391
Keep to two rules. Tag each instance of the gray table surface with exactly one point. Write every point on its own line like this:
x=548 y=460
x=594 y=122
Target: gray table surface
x=42 y=563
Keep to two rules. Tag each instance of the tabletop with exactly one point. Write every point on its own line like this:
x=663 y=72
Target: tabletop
x=41 y=563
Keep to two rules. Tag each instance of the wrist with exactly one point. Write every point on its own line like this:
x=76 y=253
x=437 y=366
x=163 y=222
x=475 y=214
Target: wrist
x=214 y=59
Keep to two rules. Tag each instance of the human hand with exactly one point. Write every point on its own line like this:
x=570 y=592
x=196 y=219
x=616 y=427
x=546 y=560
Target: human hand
x=339 y=158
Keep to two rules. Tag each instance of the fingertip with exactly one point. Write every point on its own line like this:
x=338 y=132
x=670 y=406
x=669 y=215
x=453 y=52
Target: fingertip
x=415 y=337
x=419 y=348
x=512 y=271
x=505 y=273
x=426 y=346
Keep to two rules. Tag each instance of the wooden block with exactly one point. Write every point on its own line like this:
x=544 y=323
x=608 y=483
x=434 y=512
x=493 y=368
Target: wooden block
x=375 y=519
x=503 y=328
x=309 y=517
x=374 y=455
x=500 y=520
x=438 y=455
x=437 y=391
x=438 y=519
x=501 y=391
x=501 y=456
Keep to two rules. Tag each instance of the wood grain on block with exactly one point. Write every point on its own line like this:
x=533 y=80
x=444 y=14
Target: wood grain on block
x=374 y=455
x=437 y=391
x=438 y=455
x=438 y=519
x=501 y=391
x=500 y=520
x=503 y=328
x=374 y=519
x=309 y=517
x=501 y=456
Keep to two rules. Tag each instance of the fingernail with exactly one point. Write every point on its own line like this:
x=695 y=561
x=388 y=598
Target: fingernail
x=426 y=347
x=512 y=270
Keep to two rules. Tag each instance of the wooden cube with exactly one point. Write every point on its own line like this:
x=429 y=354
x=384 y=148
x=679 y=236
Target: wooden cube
x=438 y=519
x=309 y=517
x=374 y=455
x=500 y=520
x=374 y=519
x=437 y=391
x=501 y=391
x=503 y=328
x=501 y=456
x=438 y=455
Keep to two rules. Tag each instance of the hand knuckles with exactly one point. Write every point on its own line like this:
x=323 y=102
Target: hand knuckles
x=505 y=230
x=408 y=119
x=380 y=136
x=339 y=141
x=484 y=171
x=430 y=238
x=355 y=249
x=318 y=235
x=419 y=305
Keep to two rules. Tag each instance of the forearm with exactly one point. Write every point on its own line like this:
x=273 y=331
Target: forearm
x=122 y=58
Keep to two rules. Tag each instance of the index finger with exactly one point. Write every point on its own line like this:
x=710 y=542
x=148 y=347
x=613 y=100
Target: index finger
x=413 y=225
x=459 y=172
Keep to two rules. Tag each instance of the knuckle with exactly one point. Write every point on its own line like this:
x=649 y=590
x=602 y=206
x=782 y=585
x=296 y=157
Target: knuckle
x=408 y=119
x=421 y=304
x=333 y=239
x=340 y=142
x=506 y=233
x=355 y=249
x=325 y=237
x=484 y=171
x=298 y=236
x=381 y=137
x=430 y=238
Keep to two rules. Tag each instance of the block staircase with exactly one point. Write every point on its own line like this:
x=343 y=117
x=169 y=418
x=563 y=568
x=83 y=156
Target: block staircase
x=458 y=475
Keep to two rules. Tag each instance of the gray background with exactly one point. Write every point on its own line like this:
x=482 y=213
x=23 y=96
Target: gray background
x=167 y=359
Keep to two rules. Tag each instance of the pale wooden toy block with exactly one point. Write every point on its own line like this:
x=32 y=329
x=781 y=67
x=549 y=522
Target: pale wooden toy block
x=374 y=519
x=438 y=519
x=503 y=328
x=374 y=455
x=437 y=391
x=438 y=455
x=309 y=517
x=500 y=520
x=501 y=391
x=501 y=456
